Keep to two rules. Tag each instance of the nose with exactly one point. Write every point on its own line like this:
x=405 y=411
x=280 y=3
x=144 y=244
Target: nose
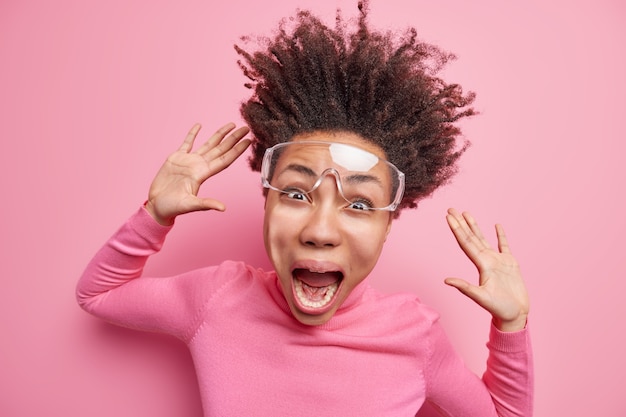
x=322 y=227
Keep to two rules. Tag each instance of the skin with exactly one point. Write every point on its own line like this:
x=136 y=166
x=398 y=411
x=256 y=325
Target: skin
x=322 y=234
x=500 y=290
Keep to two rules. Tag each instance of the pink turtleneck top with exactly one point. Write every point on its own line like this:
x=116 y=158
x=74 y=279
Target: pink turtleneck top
x=379 y=355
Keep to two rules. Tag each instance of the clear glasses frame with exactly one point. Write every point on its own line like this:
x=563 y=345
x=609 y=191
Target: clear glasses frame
x=272 y=155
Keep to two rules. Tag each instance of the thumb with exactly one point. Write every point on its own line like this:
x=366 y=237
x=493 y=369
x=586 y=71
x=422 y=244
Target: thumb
x=193 y=203
x=473 y=292
x=210 y=204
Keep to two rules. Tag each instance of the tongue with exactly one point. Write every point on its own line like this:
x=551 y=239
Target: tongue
x=316 y=279
x=314 y=293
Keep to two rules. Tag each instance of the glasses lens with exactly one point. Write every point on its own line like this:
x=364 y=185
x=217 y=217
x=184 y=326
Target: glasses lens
x=362 y=178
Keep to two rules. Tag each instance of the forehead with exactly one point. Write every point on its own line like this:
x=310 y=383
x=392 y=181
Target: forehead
x=322 y=155
x=347 y=138
x=355 y=159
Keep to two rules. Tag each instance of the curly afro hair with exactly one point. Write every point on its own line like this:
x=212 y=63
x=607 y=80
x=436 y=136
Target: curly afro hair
x=382 y=86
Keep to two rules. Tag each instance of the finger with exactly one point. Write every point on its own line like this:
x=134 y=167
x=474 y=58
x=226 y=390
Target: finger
x=190 y=138
x=473 y=292
x=473 y=247
x=225 y=159
x=460 y=234
x=194 y=203
x=468 y=242
x=216 y=138
x=234 y=137
x=212 y=204
x=503 y=243
x=473 y=225
x=227 y=144
x=457 y=283
x=470 y=226
x=460 y=222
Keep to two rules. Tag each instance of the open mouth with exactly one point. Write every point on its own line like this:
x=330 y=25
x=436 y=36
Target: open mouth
x=315 y=291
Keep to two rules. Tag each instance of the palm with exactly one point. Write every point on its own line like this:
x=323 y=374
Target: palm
x=500 y=289
x=174 y=190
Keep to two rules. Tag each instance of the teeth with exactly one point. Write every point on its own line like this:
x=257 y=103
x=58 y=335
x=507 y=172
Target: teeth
x=300 y=292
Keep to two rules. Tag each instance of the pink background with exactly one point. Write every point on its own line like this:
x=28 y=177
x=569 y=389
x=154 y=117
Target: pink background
x=94 y=95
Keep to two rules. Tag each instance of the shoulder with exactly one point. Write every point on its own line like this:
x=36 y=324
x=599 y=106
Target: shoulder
x=398 y=323
x=221 y=290
x=234 y=269
x=231 y=273
x=392 y=304
x=400 y=311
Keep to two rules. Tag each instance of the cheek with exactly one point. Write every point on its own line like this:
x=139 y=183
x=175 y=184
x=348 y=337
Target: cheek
x=368 y=245
x=279 y=231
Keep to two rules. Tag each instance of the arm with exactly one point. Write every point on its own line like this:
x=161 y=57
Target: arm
x=505 y=389
x=500 y=291
x=110 y=286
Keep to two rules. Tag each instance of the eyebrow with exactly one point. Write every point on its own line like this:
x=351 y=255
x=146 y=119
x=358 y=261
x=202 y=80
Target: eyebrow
x=301 y=169
x=355 y=178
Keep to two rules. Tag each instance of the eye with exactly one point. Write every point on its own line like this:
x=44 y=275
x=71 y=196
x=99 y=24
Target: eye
x=295 y=194
x=361 y=205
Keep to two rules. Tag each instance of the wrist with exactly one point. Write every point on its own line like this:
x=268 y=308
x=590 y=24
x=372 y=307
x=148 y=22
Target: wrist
x=514 y=325
x=159 y=219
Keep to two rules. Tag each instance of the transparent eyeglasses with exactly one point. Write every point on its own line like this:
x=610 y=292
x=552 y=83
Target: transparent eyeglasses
x=365 y=181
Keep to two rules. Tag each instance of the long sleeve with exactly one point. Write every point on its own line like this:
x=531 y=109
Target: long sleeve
x=113 y=289
x=510 y=373
x=506 y=389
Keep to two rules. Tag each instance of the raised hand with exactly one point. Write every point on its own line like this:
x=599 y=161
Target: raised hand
x=174 y=190
x=500 y=289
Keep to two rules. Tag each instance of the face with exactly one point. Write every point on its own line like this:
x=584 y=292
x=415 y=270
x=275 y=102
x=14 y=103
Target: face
x=320 y=245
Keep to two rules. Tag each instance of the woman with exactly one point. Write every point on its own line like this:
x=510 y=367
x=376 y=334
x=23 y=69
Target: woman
x=348 y=130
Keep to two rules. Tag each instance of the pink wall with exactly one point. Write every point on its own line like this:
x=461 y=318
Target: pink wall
x=94 y=95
